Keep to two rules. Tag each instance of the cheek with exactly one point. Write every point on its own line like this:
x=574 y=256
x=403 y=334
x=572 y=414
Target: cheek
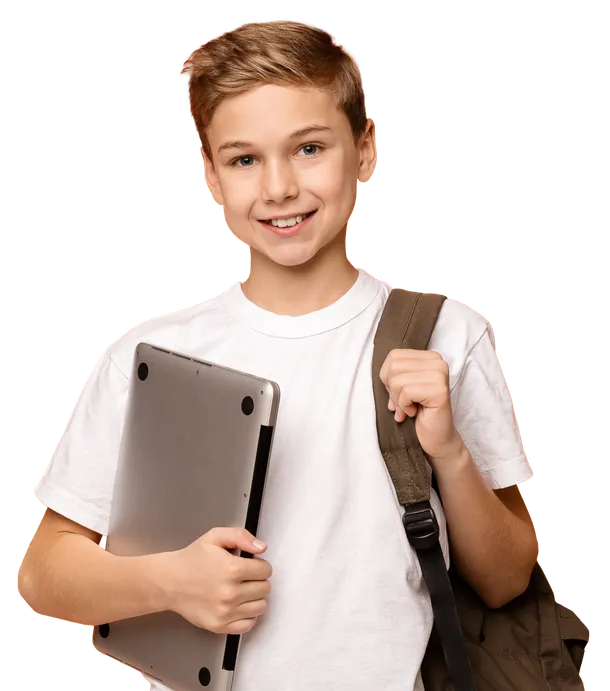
x=334 y=184
x=238 y=201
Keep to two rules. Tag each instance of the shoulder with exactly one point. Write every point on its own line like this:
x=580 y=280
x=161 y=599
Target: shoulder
x=457 y=331
x=175 y=330
x=482 y=406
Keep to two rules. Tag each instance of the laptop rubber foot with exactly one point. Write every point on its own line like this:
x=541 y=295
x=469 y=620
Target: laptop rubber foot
x=204 y=676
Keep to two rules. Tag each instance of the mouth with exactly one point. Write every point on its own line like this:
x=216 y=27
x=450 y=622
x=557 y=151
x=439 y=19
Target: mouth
x=305 y=216
x=288 y=222
x=288 y=231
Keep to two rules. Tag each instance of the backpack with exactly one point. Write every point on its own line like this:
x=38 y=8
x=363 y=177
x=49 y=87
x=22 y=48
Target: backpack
x=530 y=644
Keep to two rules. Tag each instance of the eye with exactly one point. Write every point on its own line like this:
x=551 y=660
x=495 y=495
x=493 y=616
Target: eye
x=247 y=162
x=235 y=161
x=311 y=150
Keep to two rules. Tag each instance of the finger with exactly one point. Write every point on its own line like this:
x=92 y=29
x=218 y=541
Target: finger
x=413 y=365
x=253 y=590
x=419 y=359
x=252 y=569
x=412 y=410
x=425 y=395
x=415 y=354
x=422 y=387
x=251 y=609
x=240 y=627
x=401 y=387
x=399 y=413
x=388 y=371
x=383 y=373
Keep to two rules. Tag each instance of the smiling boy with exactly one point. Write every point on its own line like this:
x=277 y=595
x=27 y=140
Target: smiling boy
x=279 y=109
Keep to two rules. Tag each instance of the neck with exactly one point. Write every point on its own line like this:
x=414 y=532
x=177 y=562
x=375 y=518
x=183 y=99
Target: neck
x=298 y=290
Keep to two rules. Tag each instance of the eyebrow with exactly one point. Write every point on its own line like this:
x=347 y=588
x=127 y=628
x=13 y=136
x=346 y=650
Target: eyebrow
x=299 y=133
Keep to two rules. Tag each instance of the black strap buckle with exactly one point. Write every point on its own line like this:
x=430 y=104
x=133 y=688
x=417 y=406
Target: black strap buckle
x=421 y=525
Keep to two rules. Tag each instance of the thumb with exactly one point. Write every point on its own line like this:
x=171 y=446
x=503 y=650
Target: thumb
x=232 y=537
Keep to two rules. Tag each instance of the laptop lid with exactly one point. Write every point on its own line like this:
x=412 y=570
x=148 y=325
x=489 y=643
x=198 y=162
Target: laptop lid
x=194 y=455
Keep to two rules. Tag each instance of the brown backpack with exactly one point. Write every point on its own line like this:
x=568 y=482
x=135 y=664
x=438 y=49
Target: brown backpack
x=530 y=644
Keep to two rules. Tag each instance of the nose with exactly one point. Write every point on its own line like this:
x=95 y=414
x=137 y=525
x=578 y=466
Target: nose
x=279 y=182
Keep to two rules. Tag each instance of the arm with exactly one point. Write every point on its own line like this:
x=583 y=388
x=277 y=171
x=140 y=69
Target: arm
x=493 y=541
x=67 y=575
x=494 y=545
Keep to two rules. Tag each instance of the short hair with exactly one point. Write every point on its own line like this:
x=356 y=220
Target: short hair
x=279 y=52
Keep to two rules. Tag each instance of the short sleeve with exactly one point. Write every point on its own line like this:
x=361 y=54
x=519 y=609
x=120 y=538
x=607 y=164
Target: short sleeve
x=485 y=419
x=79 y=480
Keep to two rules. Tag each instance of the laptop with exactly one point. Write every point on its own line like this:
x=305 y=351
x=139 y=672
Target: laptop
x=193 y=456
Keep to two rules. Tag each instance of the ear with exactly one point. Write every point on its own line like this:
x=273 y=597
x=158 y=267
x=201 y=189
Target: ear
x=368 y=152
x=211 y=179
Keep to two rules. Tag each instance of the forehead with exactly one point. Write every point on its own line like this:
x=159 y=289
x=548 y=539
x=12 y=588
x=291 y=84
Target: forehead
x=271 y=113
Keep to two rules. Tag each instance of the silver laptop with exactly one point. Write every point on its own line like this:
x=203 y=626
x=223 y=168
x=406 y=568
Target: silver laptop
x=194 y=454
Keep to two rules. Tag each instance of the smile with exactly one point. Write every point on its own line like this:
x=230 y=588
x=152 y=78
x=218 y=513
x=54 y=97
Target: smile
x=290 y=221
x=287 y=226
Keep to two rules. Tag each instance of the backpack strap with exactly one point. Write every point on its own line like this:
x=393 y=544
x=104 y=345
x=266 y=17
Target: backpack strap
x=407 y=321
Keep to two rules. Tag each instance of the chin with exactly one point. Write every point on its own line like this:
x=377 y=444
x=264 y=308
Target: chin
x=296 y=254
x=291 y=258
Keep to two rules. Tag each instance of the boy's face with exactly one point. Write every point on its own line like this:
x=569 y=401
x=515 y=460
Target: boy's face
x=276 y=175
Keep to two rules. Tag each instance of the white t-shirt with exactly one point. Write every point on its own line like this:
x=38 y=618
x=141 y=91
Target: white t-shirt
x=349 y=609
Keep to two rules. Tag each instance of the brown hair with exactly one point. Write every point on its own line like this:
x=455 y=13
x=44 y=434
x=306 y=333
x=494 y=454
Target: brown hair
x=279 y=52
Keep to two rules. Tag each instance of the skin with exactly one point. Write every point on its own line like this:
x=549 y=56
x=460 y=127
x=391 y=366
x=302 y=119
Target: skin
x=277 y=176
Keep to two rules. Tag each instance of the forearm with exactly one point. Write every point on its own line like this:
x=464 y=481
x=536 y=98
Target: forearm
x=79 y=581
x=492 y=548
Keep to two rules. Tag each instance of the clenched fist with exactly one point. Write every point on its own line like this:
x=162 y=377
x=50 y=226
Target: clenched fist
x=417 y=382
x=214 y=589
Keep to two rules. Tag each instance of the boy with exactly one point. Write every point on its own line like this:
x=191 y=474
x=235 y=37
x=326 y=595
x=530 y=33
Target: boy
x=280 y=112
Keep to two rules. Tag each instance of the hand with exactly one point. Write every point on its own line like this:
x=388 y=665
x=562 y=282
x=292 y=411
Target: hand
x=216 y=590
x=418 y=384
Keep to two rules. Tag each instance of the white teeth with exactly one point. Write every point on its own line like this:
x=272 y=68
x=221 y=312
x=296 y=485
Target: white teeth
x=285 y=222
